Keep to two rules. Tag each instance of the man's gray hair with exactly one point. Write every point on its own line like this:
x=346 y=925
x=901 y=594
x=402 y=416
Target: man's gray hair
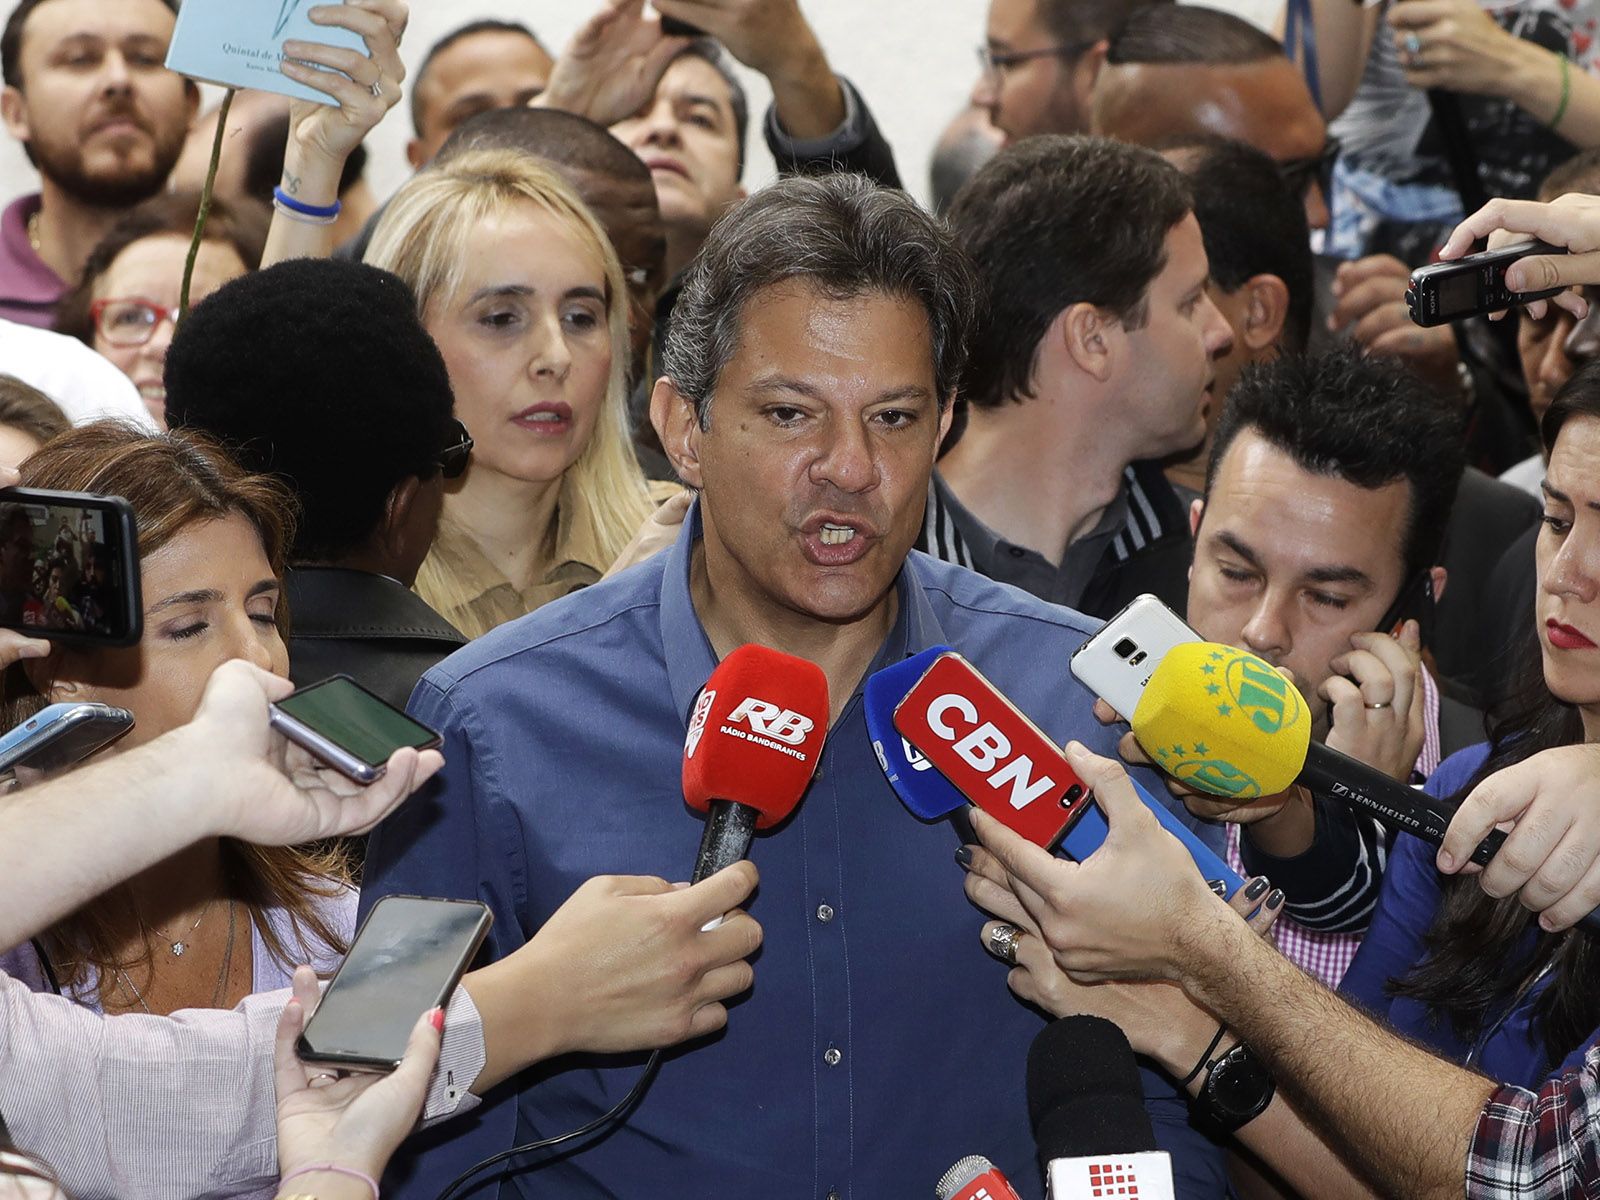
x=842 y=235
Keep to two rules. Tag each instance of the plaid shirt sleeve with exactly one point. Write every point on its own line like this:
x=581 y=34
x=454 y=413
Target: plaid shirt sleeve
x=1542 y=1145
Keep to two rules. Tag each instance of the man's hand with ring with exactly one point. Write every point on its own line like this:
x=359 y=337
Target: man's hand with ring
x=1378 y=714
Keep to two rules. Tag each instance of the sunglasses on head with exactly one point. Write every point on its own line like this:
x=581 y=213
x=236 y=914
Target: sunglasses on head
x=454 y=457
x=1298 y=174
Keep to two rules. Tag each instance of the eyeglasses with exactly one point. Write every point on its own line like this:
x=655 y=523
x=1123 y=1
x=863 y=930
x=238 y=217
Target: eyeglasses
x=993 y=62
x=1298 y=174
x=129 y=322
x=453 y=458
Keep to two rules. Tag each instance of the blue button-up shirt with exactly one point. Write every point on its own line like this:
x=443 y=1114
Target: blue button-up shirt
x=879 y=1044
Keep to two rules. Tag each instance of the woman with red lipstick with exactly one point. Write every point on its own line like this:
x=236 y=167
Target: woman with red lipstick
x=1475 y=978
x=524 y=295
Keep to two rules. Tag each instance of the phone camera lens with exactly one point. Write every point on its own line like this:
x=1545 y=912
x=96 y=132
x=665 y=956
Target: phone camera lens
x=1074 y=794
x=1124 y=647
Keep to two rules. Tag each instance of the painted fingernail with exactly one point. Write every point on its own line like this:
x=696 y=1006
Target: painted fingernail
x=1276 y=899
x=436 y=1019
x=1257 y=886
x=964 y=857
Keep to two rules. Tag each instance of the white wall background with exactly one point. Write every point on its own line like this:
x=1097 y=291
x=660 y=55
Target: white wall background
x=914 y=60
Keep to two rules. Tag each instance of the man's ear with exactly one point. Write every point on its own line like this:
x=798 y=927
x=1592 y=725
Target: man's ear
x=1086 y=71
x=673 y=416
x=1091 y=337
x=1197 y=510
x=1266 y=311
x=14 y=111
x=1439 y=577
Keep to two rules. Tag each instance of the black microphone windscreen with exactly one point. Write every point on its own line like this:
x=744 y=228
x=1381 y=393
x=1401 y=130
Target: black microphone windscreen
x=1085 y=1096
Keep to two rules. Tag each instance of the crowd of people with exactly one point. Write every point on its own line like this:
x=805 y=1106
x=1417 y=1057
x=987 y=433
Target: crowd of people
x=531 y=445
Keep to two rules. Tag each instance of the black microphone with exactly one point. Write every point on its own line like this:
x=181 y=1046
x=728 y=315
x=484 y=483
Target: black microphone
x=1086 y=1103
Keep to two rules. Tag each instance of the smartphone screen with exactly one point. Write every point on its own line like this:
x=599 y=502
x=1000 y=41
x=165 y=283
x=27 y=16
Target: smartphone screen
x=69 y=567
x=363 y=725
x=408 y=955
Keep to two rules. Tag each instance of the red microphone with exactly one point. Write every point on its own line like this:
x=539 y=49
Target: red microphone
x=991 y=751
x=975 y=1178
x=754 y=742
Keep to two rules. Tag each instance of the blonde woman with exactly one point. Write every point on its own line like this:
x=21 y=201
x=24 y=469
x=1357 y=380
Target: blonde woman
x=520 y=288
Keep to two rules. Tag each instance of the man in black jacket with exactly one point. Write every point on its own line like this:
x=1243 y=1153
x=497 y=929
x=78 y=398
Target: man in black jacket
x=321 y=373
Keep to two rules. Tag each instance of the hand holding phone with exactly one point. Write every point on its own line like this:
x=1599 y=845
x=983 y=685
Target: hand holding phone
x=69 y=567
x=348 y=727
x=407 y=958
x=357 y=1121
x=1472 y=286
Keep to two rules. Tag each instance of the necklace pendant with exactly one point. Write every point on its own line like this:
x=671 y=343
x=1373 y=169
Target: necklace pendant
x=178 y=948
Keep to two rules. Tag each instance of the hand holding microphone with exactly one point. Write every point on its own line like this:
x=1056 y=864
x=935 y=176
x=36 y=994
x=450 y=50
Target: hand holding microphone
x=1252 y=736
x=1125 y=911
x=946 y=737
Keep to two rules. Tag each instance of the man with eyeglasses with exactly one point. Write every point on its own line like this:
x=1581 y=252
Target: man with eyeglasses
x=320 y=372
x=1039 y=61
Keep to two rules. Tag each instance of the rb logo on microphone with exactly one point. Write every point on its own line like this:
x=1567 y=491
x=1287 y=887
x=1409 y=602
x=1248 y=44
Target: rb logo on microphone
x=697 y=721
x=780 y=724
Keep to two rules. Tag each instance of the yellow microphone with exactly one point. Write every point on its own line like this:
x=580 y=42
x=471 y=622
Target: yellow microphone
x=1225 y=722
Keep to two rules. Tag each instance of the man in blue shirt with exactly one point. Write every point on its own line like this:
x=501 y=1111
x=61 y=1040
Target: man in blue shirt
x=812 y=361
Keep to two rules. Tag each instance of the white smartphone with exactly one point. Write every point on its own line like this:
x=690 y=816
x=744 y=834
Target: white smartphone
x=1117 y=662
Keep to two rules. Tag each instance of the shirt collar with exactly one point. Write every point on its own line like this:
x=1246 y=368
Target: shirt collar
x=24 y=276
x=690 y=658
x=577 y=551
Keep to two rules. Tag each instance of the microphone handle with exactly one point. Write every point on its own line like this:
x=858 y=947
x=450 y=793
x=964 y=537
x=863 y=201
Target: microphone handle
x=1336 y=776
x=1350 y=781
x=730 y=826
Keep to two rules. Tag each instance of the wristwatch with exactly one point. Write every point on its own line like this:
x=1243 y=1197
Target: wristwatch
x=1237 y=1089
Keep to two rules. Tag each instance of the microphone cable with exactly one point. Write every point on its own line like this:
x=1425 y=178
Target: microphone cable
x=615 y=1114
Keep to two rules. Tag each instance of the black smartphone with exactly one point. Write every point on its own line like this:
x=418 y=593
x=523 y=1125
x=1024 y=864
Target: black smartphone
x=69 y=567
x=1414 y=601
x=349 y=728
x=675 y=27
x=1450 y=291
x=407 y=958
x=59 y=735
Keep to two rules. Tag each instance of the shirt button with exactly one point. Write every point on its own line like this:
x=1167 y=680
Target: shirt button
x=832 y=1056
x=833 y=1194
x=824 y=913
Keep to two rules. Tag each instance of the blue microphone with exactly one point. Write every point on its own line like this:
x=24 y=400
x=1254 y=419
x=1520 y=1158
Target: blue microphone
x=929 y=795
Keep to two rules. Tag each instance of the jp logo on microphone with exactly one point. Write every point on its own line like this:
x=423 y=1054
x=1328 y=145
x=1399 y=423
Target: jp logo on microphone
x=1252 y=714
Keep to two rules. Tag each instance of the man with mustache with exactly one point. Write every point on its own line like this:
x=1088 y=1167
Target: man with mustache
x=88 y=96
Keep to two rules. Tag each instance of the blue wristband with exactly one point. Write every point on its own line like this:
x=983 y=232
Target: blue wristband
x=322 y=212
